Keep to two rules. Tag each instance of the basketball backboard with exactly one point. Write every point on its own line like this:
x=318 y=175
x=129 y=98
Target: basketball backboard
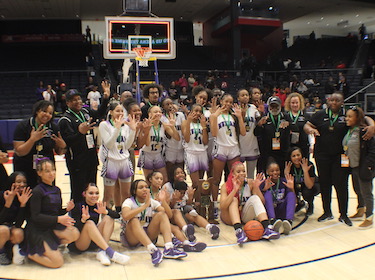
x=125 y=33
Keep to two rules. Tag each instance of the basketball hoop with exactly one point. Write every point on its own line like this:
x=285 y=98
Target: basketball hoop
x=143 y=55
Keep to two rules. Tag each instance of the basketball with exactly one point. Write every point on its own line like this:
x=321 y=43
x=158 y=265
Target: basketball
x=253 y=230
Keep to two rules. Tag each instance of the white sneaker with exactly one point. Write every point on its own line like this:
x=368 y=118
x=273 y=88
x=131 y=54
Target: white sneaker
x=103 y=258
x=120 y=258
x=17 y=257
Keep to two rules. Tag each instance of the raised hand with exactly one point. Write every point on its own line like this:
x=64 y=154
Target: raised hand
x=260 y=105
x=203 y=121
x=268 y=184
x=59 y=141
x=9 y=195
x=24 y=197
x=147 y=123
x=284 y=124
x=148 y=200
x=66 y=220
x=190 y=192
x=106 y=86
x=259 y=178
x=288 y=166
x=118 y=122
x=162 y=195
x=191 y=116
x=176 y=195
x=83 y=128
x=214 y=105
x=237 y=111
x=85 y=213
x=262 y=121
x=101 y=208
x=70 y=205
x=305 y=165
x=132 y=123
x=38 y=134
x=370 y=132
x=289 y=181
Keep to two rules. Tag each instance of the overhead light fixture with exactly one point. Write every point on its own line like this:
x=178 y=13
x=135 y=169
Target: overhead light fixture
x=356 y=15
x=270 y=8
x=308 y=22
x=321 y=18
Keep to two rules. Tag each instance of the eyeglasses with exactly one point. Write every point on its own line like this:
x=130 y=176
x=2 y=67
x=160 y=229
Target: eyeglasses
x=354 y=108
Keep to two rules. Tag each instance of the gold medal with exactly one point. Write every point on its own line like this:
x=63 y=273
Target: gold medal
x=39 y=147
x=277 y=134
x=247 y=128
x=119 y=146
x=228 y=132
x=298 y=186
x=157 y=146
x=196 y=142
x=345 y=148
x=331 y=128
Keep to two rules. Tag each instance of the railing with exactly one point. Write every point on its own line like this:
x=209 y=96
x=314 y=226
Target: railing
x=359 y=91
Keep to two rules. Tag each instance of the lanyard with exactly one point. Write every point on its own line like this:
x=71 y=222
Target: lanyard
x=143 y=213
x=119 y=138
x=227 y=122
x=196 y=130
x=349 y=135
x=276 y=191
x=241 y=193
x=247 y=119
x=294 y=120
x=277 y=126
x=298 y=174
x=157 y=132
x=81 y=118
x=332 y=121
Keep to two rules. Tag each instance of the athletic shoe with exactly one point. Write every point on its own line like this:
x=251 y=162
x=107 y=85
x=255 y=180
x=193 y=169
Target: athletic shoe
x=4 y=260
x=359 y=215
x=173 y=253
x=189 y=232
x=176 y=242
x=301 y=205
x=270 y=234
x=17 y=257
x=103 y=258
x=346 y=220
x=310 y=210
x=241 y=236
x=216 y=213
x=367 y=223
x=276 y=225
x=156 y=257
x=120 y=258
x=287 y=225
x=325 y=217
x=214 y=231
x=194 y=247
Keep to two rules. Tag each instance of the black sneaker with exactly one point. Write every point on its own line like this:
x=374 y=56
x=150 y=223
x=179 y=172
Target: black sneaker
x=346 y=220
x=310 y=210
x=325 y=217
x=4 y=260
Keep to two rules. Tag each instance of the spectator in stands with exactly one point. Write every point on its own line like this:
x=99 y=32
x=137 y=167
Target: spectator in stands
x=151 y=94
x=297 y=65
x=3 y=159
x=312 y=36
x=362 y=31
x=343 y=86
x=36 y=137
x=56 y=86
x=90 y=83
x=76 y=129
x=60 y=96
x=210 y=80
x=49 y=95
x=318 y=105
x=275 y=132
x=39 y=91
x=330 y=86
x=191 y=81
x=94 y=96
x=173 y=92
x=282 y=94
x=88 y=34
x=341 y=65
x=182 y=81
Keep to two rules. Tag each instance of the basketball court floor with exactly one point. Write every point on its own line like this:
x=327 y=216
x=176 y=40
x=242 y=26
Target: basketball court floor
x=329 y=250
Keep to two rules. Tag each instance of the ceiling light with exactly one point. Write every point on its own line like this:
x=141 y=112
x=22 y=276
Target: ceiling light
x=321 y=18
x=308 y=22
x=270 y=8
x=327 y=24
x=356 y=15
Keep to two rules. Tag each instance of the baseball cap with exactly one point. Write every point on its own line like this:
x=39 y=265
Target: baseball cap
x=71 y=93
x=274 y=100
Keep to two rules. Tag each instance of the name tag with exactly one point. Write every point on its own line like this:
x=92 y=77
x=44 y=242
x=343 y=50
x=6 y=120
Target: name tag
x=275 y=144
x=90 y=141
x=294 y=137
x=344 y=160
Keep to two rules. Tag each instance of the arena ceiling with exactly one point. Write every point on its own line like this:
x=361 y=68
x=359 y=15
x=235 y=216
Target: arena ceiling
x=315 y=13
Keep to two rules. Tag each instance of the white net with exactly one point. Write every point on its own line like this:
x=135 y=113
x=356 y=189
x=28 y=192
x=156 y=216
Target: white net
x=143 y=55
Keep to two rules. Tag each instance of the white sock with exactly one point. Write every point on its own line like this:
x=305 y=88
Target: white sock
x=208 y=227
x=216 y=204
x=186 y=242
x=184 y=228
x=151 y=248
x=193 y=213
x=168 y=245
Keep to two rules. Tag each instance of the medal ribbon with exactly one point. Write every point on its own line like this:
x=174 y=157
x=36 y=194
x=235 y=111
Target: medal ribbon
x=332 y=120
x=294 y=120
x=196 y=130
x=298 y=174
x=275 y=191
x=227 y=122
x=157 y=132
x=119 y=135
x=81 y=118
x=143 y=213
x=349 y=135
x=277 y=126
